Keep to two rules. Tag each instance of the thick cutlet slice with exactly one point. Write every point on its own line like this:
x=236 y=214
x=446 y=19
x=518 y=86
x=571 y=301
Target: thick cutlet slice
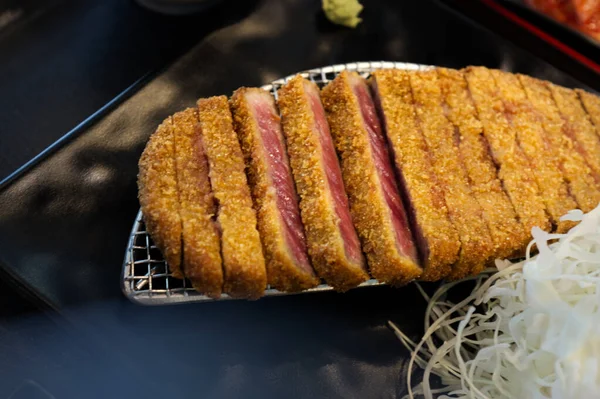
x=243 y=262
x=463 y=209
x=375 y=200
x=514 y=169
x=157 y=191
x=573 y=166
x=530 y=136
x=506 y=232
x=434 y=234
x=258 y=126
x=578 y=126
x=591 y=103
x=201 y=243
x=333 y=244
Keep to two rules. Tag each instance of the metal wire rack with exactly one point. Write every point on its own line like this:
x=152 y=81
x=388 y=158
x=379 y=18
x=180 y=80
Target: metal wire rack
x=146 y=278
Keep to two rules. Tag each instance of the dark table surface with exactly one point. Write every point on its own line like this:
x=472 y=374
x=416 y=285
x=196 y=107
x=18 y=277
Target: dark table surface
x=65 y=219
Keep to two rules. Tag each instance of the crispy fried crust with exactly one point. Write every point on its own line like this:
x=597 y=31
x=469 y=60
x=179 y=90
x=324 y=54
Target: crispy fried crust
x=530 y=136
x=463 y=209
x=370 y=213
x=506 y=232
x=243 y=262
x=414 y=164
x=578 y=126
x=157 y=192
x=591 y=103
x=325 y=243
x=514 y=168
x=577 y=173
x=282 y=271
x=201 y=243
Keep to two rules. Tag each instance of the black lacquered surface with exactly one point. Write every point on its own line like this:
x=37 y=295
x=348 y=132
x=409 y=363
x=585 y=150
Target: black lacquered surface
x=65 y=222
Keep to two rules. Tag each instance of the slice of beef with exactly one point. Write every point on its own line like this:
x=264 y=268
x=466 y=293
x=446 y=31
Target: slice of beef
x=202 y=263
x=591 y=103
x=333 y=244
x=530 y=138
x=157 y=191
x=578 y=126
x=506 y=231
x=375 y=200
x=258 y=126
x=573 y=166
x=435 y=235
x=463 y=209
x=244 y=269
x=514 y=170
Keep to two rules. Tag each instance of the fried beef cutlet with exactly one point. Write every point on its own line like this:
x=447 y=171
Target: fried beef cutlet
x=463 y=209
x=530 y=138
x=375 y=199
x=202 y=263
x=498 y=212
x=434 y=233
x=457 y=169
x=333 y=244
x=243 y=262
x=157 y=192
x=258 y=126
x=514 y=169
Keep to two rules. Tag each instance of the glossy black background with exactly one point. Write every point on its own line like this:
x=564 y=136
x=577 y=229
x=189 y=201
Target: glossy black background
x=64 y=221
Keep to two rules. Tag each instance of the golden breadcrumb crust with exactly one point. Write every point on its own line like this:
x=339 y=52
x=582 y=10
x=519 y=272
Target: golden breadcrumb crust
x=506 y=231
x=414 y=163
x=514 y=169
x=576 y=171
x=578 y=126
x=530 y=136
x=325 y=244
x=202 y=263
x=243 y=262
x=157 y=192
x=463 y=209
x=370 y=212
x=591 y=103
x=283 y=273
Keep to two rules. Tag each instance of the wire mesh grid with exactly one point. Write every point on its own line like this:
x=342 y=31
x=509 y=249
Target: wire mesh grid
x=146 y=278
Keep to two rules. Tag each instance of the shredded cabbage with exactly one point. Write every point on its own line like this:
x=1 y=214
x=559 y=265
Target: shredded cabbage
x=528 y=330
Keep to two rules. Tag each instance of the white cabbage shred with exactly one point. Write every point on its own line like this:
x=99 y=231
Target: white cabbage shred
x=528 y=330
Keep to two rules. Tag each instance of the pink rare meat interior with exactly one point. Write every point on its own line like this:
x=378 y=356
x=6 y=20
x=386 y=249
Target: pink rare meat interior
x=383 y=164
x=334 y=177
x=279 y=170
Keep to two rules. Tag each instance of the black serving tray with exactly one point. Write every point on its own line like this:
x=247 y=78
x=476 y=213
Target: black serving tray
x=65 y=220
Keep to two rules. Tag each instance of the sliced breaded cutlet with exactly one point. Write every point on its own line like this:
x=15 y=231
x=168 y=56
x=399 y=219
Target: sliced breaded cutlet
x=333 y=244
x=530 y=136
x=159 y=200
x=258 y=126
x=375 y=199
x=582 y=185
x=505 y=230
x=591 y=103
x=244 y=269
x=202 y=263
x=578 y=126
x=463 y=209
x=435 y=236
x=514 y=169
